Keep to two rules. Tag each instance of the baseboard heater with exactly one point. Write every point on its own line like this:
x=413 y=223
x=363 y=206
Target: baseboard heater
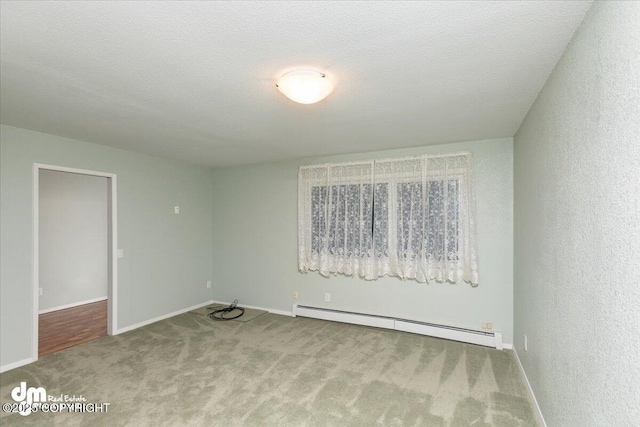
x=486 y=338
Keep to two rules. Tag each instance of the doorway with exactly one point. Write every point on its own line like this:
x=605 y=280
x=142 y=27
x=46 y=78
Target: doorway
x=74 y=267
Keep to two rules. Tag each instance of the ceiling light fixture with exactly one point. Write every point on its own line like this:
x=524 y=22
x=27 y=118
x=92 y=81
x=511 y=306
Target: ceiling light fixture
x=305 y=86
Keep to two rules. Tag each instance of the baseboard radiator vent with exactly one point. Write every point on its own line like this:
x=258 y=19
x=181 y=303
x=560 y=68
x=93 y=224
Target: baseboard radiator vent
x=486 y=338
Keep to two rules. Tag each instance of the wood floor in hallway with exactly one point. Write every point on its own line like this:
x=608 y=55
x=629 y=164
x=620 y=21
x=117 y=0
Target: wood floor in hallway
x=66 y=328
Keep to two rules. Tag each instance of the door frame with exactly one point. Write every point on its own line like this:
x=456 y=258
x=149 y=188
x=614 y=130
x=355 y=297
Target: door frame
x=112 y=242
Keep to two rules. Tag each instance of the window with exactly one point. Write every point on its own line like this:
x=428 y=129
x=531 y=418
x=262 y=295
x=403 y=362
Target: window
x=411 y=218
x=416 y=229
x=337 y=218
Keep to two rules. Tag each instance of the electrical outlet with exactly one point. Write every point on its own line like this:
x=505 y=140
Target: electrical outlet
x=295 y=294
x=208 y=284
x=525 y=342
x=40 y=291
x=327 y=297
x=176 y=209
x=487 y=325
x=120 y=253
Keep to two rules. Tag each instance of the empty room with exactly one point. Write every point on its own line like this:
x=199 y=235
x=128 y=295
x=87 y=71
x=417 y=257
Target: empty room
x=327 y=213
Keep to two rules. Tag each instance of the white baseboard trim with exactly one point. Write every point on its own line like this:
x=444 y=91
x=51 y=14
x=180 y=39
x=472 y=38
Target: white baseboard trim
x=507 y=346
x=10 y=366
x=23 y=362
x=75 y=304
x=270 y=310
x=531 y=394
x=159 y=318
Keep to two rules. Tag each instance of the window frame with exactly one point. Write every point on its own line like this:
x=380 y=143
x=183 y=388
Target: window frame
x=392 y=172
x=394 y=181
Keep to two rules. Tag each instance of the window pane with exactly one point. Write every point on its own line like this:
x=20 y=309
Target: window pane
x=367 y=220
x=335 y=239
x=410 y=224
x=381 y=218
x=318 y=217
x=422 y=223
x=453 y=217
x=434 y=238
x=342 y=211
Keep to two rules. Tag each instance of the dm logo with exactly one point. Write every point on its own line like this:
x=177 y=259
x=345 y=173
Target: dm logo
x=29 y=397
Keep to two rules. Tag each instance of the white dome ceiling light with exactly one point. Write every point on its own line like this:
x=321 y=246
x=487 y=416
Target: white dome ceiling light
x=305 y=86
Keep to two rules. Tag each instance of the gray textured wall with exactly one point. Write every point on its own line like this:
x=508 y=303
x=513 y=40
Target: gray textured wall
x=255 y=258
x=577 y=227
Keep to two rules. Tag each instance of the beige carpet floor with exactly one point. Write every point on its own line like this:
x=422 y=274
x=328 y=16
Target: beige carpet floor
x=277 y=371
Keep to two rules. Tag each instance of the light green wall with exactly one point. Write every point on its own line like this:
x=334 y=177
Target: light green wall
x=577 y=227
x=73 y=238
x=255 y=246
x=167 y=257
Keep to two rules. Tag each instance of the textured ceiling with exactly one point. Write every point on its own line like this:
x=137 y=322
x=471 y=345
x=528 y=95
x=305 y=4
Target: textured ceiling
x=195 y=80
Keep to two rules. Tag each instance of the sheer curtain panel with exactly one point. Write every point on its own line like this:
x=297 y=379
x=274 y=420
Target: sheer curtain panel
x=334 y=218
x=413 y=218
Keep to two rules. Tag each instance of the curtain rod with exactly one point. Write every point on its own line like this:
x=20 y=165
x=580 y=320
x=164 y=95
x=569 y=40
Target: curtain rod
x=393 y=159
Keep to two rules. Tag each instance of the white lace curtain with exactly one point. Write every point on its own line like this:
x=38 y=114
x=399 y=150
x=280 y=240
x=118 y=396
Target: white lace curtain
x=411 y=217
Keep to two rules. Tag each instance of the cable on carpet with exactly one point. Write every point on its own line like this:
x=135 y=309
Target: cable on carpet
x=222 y=313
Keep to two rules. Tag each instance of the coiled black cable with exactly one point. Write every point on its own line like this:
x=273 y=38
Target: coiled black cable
x=220 y=313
